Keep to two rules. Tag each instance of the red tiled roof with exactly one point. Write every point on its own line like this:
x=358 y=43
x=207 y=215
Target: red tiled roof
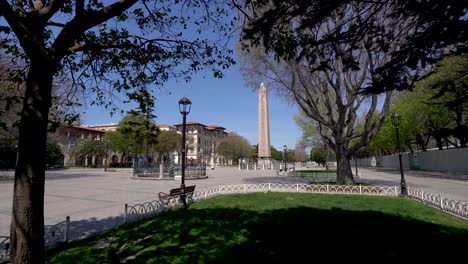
x=215 y=127
x=89 y=129
x=191 y=123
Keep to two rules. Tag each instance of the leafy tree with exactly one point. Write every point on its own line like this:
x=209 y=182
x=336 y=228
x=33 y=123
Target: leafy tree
x=321 y=154
x=118 y=142
x=318 y=155
x=8 y=147
x=140 y=132
x=431 y=110
x=234 y=147
x=276 y=154
x=449 y=84
x=106 y=48
x=88 y=148
x=331 y=95
x=167 y=142
x=433 y=28
x=449 y=79
x=54 y=157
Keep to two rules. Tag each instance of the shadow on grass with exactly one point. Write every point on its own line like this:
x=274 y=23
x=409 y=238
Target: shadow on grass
x=276 y=236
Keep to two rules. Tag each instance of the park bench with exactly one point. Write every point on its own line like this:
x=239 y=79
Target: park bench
x=174 y=195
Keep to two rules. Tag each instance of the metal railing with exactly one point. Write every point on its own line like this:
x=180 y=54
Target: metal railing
x=148 y=209
x=274 y=165
x=152 y=208
x=59 y=233
x=54 y=235
x=153 y=170
x=437 y=200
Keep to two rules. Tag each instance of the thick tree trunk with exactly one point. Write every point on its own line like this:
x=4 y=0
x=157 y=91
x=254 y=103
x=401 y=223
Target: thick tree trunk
x=344 y=174
x=27 y=224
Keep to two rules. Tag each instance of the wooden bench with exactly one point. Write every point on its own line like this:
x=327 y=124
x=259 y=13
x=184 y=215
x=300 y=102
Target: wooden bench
x=174 y=195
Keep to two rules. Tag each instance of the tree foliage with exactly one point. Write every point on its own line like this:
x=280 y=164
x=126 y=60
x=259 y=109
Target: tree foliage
x=108 y=49
x=167 y=142
x=140 y=133
x=321 y=154
x=431 y=112
x=431 y=29
x=234 y=147
x=89 y=148
x=54 y=156
x=327 y=89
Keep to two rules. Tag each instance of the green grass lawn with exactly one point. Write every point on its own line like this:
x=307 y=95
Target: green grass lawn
x=279 y=228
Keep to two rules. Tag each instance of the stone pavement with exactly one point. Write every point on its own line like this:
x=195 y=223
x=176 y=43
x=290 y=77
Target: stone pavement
x=95 y=199
x=434 y=182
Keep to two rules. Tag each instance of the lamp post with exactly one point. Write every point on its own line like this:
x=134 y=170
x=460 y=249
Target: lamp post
x=285 y=167
x=396 y=120
x=184 y=108
x=355 y=163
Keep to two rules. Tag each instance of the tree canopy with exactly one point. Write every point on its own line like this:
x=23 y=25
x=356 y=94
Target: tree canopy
x=329 y=93
x=167 y=142
x=87 y=149
x=432 y=111
x=235 y=147
x=109 y=50
x=432 y=29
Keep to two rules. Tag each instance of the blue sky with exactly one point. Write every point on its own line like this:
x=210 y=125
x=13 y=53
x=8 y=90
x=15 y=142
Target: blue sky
x=226 y=102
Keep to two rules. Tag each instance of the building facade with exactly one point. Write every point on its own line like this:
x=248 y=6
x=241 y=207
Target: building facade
x=202 y=141
x=68 y=136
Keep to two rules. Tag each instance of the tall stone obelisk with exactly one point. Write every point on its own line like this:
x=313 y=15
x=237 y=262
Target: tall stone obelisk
x=264 y=151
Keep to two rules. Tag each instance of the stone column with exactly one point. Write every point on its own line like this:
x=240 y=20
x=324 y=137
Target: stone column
x=264 y=151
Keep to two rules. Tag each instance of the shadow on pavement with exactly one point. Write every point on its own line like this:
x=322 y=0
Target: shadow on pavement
x=86 y=227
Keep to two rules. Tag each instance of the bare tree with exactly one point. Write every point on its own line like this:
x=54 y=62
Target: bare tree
x=329 y=93
x=300 y=153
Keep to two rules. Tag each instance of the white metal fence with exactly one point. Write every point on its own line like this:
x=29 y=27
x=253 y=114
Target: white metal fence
x=151 y=208
x=148 y=209
x=437 y=200
x=59 y=233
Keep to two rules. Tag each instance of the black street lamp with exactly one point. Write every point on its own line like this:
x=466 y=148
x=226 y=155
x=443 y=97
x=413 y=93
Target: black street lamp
x=285 y=168
x=355 y=163
x=184 y=108
x=396 y=123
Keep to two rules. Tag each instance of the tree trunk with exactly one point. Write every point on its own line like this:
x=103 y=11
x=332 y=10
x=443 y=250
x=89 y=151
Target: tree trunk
x=439 y=143
x=27 y=223
x=344 y=174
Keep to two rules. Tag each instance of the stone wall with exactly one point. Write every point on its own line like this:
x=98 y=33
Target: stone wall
x=448 y=160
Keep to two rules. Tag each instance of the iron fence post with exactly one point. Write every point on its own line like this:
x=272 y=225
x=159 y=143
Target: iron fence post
x=125 y=213
x=67 y=229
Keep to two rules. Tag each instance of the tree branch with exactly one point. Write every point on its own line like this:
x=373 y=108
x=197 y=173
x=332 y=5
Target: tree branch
x=87 y=20
x=56 y=24
x=19 y=28
x=50 y=9
x=99 y=47
x=79 y=7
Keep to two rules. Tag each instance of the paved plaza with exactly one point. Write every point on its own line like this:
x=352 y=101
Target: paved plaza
x=94 y=199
